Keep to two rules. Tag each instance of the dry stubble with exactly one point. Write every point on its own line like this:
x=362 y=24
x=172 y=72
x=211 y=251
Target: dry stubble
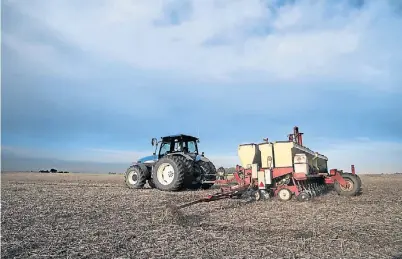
x=95 y=216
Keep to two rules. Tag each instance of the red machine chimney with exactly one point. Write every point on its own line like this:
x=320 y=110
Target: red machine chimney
x=300 y=139
x=297 y=136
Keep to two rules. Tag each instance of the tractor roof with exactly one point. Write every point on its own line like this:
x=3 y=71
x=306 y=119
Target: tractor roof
x=179 y=136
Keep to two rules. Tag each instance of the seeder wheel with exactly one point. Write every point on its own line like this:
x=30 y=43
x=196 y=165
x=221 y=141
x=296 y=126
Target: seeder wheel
x=284 y=194
x=303 y=196
x=352 y=188
x=355 y=175
x=257 y=195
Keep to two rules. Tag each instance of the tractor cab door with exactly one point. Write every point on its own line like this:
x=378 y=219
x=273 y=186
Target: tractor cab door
x=165 y=149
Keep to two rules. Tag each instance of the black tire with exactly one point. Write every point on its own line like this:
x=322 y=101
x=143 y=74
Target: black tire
x=209 y=173
x=192 y=183
x=303 y=196
x=135 y=177
x=287 y=195
x=151 y=183
x=354 y=185
x=180 y=170
x=220 y=173
x=358 y=178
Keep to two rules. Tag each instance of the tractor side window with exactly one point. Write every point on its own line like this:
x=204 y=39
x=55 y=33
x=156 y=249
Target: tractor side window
x=191 y=146
x=165 y=148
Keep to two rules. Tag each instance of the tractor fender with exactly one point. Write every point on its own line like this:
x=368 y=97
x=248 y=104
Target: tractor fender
x=187 y=156
x=202 y=158
x=182 y=154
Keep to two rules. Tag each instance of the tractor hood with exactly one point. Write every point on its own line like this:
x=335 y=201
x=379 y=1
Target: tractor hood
x=148 y=159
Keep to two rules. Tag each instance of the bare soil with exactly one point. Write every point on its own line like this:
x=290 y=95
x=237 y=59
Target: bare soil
x=96 y=216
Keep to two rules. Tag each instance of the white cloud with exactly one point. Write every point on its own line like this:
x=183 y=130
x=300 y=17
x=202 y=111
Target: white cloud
x=306 y=39
x=306 y=42
x=41 y=58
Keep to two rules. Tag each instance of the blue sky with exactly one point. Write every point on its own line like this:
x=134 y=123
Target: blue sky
x=93 y=81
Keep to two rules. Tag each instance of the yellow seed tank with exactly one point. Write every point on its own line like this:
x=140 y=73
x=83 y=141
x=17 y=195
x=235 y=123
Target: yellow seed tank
x=279 y=154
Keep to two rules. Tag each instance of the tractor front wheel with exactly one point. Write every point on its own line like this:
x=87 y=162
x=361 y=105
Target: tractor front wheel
x=135 y=177
x=169 y=173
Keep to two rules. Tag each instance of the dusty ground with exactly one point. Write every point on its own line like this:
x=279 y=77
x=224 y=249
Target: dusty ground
x=92 y=216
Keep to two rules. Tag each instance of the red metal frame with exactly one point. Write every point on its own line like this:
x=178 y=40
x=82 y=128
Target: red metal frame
x=280 y=171
x=335 y=176
x=299 y=176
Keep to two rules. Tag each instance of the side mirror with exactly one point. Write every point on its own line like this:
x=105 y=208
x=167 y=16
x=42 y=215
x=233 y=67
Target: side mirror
x=154 y=141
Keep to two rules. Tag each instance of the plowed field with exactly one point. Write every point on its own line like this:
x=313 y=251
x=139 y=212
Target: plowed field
x=96 y=216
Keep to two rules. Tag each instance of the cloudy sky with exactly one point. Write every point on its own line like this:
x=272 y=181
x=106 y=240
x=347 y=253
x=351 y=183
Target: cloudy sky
x=91 y=82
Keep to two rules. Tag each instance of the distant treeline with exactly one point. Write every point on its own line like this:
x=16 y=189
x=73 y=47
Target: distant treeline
x=53 y=171
x=230 y=170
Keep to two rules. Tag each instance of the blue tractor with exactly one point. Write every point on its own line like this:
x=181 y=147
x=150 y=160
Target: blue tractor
x=175 y=166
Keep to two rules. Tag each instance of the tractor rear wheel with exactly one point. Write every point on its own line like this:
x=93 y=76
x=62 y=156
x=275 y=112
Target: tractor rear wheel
x=135 y=177
x=352 y=188
x=169 y=173
x=208 y=173
x=194 y=178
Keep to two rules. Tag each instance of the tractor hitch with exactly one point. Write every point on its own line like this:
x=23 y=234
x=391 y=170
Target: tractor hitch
x=225 y=193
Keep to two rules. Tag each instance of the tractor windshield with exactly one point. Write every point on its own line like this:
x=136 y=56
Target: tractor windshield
x=173 y=145
x=165 y=148
x=187 y=146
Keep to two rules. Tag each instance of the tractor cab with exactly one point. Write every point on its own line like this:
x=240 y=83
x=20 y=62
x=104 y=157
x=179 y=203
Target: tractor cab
x=176 y=144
